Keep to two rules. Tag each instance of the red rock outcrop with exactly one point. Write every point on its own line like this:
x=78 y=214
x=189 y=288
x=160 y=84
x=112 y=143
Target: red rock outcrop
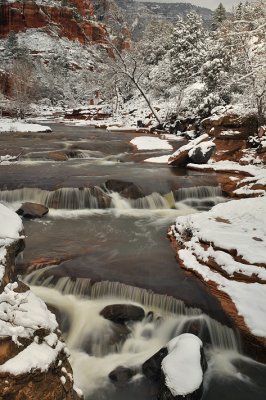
x=73 y=23
x=230 y=126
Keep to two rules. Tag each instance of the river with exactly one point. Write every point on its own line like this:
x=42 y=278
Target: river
x=97 y=252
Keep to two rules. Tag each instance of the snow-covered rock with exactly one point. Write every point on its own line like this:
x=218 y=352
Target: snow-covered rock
x=184 y=367
x=201 y=153
x=180 y=367
x=21 y=126
x=181 y=156
x=225 y=247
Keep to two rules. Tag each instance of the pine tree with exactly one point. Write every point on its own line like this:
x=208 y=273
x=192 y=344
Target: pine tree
x=188 y=51
x=219 y=14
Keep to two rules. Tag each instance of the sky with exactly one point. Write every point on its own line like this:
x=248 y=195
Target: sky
x=212 y=4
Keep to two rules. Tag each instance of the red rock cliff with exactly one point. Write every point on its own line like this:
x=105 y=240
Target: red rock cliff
x=75 y=23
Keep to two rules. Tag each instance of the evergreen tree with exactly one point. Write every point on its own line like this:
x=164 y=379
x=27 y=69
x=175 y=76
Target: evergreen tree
x=188 y=50
x=219 y=16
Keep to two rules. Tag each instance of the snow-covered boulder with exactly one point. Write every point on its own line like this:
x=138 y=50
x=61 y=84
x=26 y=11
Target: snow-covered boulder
x=183 y=369
x=181 y=156
x=180 y=367
x=201 y=153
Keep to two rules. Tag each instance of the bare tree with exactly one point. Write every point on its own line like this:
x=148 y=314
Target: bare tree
x=125 y=67
x=23 y=87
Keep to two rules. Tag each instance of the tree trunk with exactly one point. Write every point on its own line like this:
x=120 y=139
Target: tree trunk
x=147 y=100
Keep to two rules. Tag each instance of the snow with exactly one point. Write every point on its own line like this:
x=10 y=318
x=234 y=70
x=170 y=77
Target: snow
x=32 y=358
x=7 y=159
x=21 y=126
x=182 y=366
x=10 y=230
x=150 y=143
x=23 y=313
x=204 y=148
x=158 y=160
x=10 y=225
x=236 y=227
x=257 y=175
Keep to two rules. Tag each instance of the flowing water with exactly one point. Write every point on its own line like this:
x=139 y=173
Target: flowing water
x=100 y=248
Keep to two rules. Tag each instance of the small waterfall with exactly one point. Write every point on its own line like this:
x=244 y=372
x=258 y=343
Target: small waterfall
x=84 y=290
x=198 y=192
x=86 y=198
x=200 y=197
x=63 y=198
x=153 y=201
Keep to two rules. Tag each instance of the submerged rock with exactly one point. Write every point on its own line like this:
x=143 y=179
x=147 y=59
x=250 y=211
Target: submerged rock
x=121 y=375
x=121 y=313
x=32 y=210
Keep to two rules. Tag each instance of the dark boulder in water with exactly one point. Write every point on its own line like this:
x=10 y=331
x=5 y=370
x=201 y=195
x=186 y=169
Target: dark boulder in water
x=32 y=210
x=121 y=313
x=152 y=367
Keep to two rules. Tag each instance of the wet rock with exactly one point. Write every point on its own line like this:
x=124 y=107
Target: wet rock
x=152 y=367
x=129 y=190
x=121 y=375
x=32 y=210
x=103 y=200
x=179 y=160
x=121 y=313
x=201 y=154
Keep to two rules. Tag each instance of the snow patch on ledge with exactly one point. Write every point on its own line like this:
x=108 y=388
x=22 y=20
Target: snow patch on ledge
x=236 y=227
x=182 y=366
x=34 y=357
x=150 y=143
x=21 y=126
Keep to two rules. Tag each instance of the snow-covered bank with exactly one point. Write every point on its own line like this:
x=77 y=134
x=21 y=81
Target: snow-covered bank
x=252 y=185
x=150 y=143
x=7 y=125
x=225 y=247
x=30 y=343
